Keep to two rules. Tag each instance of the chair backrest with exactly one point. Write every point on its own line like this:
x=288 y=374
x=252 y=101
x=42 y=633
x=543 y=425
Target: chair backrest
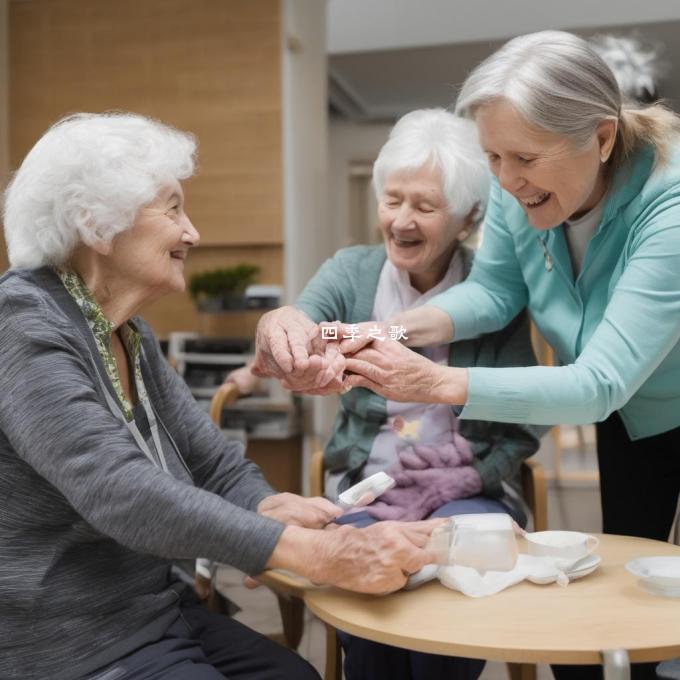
x=226 y=395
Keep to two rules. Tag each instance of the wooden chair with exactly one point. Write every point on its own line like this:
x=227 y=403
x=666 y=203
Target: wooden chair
x=290 y=589
x=287 y=590
x=546 y=357
x=226 y=395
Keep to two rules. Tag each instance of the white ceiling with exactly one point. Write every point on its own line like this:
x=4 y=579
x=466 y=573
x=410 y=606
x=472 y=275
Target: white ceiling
x=368 y=25
x=387 y=57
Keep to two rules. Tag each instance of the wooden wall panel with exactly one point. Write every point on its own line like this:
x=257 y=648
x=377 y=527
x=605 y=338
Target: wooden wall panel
x=209 y=66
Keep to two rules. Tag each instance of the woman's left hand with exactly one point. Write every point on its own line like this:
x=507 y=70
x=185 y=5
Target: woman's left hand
x=289 y=508
x=397 y=373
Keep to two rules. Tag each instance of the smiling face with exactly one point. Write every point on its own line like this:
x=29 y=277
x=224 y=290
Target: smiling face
x=151 y=254
x=550 y=178
x=419 y=232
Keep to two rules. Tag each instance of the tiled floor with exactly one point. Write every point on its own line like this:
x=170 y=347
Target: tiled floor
x=573 y=503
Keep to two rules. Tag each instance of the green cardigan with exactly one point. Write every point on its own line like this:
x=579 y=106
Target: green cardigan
x=344 y=288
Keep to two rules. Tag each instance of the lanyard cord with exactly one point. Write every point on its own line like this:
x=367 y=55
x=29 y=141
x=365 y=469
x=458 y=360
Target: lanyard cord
x=134 y=430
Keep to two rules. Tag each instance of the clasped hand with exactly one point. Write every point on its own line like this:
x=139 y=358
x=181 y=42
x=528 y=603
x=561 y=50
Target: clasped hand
x=289 y=347
x=296 y=351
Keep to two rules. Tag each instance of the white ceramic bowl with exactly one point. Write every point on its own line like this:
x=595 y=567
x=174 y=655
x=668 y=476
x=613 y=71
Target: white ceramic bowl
x=658 y=572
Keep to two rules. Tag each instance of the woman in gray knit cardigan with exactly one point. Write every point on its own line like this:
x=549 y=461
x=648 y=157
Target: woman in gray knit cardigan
x=109 y=468
x=431 y=183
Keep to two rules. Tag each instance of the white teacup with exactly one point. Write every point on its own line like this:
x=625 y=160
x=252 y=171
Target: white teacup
x=572 y=545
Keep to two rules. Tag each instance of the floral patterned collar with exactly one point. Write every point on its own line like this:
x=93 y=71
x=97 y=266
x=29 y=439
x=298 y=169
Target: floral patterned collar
x=102 y=329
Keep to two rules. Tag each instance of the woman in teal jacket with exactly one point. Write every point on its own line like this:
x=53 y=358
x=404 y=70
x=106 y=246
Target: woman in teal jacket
x=583 y=228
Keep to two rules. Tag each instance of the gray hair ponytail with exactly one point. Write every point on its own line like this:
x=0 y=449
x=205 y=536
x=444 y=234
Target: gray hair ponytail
x=559 y=83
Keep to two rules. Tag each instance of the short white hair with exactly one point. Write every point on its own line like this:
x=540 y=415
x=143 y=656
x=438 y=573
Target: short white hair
x=85 y=180
x=438 y=138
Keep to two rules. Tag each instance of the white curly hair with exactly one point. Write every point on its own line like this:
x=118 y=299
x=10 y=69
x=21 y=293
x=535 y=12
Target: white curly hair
x=448 y=142
x=85 y=180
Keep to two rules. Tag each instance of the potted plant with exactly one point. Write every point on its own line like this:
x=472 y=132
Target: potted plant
x=222 y=289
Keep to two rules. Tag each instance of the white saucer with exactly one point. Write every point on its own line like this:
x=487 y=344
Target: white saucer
x=584 y=567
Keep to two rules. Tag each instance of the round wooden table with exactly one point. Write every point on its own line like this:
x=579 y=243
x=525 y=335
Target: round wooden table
x=604 y=617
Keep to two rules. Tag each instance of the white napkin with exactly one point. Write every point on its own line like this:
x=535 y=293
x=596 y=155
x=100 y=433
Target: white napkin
x=470 y=582
x=539 y=570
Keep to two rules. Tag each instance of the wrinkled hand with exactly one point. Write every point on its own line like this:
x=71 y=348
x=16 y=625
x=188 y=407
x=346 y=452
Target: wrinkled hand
x=354 y=337
x=377 y=559
x=289 y=347
x=289 y=508
x=396 y=372
x=324 y=381
x=244 y=379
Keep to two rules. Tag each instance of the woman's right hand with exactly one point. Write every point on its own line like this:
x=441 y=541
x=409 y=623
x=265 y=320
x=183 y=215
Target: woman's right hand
x=377 y=559
x=289 y=347
x=244 y=380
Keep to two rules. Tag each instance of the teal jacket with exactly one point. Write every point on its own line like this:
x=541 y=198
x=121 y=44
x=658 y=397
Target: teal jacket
x=344 y=288
x=615 y=329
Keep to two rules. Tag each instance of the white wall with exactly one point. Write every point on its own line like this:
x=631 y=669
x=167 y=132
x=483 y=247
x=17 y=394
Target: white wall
x=366 y=25
x=307 y=238
x=348 y=142
x=305 y=141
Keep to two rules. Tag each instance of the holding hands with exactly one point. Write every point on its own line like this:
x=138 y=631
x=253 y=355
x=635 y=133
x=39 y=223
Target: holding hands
x=289 y=347
x=398 y=373
x=334 y=357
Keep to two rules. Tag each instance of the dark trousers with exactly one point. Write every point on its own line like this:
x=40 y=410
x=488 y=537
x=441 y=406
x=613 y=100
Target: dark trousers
x=374 y=661
x=202 y=645
x=639 y=484
x=367 y=660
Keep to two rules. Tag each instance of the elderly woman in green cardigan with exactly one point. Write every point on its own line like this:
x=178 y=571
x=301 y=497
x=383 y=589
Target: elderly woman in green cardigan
x=431 y=182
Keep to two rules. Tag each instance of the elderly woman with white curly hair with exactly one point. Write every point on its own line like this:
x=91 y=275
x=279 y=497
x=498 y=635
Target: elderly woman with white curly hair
x=110 y=470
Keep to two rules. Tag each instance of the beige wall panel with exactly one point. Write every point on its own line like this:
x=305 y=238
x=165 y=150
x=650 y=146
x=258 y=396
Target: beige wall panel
x=235 y=208
x=177 y=312
x=209 y=66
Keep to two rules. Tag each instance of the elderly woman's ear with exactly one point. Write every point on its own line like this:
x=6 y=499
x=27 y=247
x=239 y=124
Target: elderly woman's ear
x=470 y=222
x=606 y=137
x=101 y=246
